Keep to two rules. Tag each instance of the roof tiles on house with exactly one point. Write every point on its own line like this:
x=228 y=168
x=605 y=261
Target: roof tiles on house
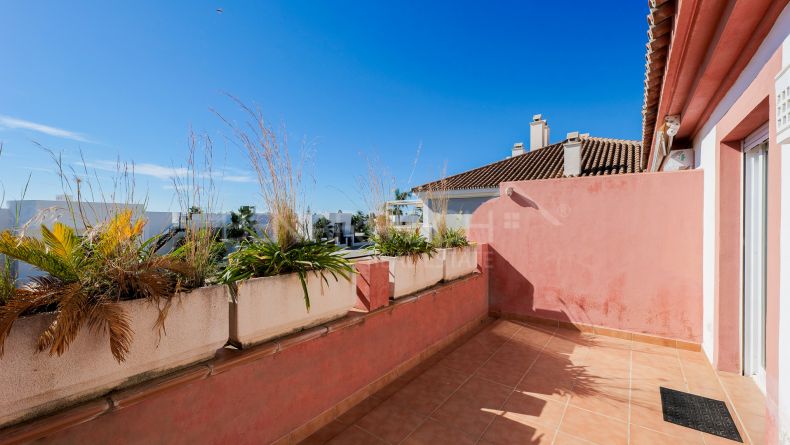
x=600 y=156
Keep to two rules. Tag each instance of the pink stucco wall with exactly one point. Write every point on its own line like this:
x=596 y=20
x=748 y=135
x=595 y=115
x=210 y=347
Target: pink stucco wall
x=257 y=402
x=622 y=252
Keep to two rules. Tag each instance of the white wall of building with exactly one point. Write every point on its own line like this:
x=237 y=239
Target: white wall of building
x=459 y=210
x=784 y=282
x=707 y=149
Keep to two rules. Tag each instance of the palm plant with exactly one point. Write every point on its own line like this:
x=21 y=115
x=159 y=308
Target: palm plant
x=87 y=275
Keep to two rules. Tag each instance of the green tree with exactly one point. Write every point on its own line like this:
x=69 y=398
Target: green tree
x=322 y=228
x=360 y=222
x=242 y=223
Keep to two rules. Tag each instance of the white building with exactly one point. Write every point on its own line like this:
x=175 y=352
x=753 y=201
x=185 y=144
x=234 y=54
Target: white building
x=28 y=215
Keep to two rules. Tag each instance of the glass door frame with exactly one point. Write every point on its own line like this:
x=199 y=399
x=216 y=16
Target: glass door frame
x=754 y=250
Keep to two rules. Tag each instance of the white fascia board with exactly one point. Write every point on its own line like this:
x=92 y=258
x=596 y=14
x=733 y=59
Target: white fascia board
x=466 y=193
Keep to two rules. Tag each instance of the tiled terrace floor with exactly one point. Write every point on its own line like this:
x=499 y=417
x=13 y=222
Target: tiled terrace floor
x=523 y=384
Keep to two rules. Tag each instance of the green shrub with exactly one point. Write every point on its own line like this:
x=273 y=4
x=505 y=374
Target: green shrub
x=450 y=238
x=394 y=242
x=263 y=257
x=202 y=249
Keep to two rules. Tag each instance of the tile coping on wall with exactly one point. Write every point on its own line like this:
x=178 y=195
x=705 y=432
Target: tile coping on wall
x=602 y=330
x=228 y=358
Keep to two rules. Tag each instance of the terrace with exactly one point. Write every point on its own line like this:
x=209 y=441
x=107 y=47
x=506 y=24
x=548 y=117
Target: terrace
x=549 y=333
x=523 y=383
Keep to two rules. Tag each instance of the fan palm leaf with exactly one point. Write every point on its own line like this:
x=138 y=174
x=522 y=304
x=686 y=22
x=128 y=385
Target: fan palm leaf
x=36 y=253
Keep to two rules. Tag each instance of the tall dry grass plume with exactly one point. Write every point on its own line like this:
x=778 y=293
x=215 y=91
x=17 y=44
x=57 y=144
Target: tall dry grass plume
x=375 y=188
x=279 y=176
x=438 y=198
x=197 y=198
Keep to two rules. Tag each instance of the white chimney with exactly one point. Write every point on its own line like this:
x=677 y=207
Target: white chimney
x=518 y=149
x=572 y=150
x=538 y=133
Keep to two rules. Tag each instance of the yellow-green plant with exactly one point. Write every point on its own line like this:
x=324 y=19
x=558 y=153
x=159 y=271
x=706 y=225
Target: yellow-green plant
x=87 y=275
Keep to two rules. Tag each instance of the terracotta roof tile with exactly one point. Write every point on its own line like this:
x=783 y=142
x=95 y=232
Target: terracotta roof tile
x=600 y=156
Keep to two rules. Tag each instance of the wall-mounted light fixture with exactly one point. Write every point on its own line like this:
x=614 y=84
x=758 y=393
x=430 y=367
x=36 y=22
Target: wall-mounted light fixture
x=509 y=191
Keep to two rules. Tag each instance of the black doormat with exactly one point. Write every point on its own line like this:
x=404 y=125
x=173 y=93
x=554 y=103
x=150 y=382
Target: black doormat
x=700 y=413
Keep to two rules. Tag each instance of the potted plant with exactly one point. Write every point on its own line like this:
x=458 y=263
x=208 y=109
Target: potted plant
x=412 y=260
x=107 y=309
x=282 y=281
x=459 y=257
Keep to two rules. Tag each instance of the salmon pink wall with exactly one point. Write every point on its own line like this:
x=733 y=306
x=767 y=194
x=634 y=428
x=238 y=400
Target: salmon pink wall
x=622 y=252
x=260 y=401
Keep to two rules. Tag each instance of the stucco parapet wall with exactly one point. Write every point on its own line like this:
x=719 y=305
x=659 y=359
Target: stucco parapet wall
x=225 y=360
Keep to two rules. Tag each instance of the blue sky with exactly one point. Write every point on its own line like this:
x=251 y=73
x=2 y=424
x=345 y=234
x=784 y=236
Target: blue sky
x=379 y=79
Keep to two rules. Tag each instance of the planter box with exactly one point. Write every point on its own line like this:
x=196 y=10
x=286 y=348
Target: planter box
x=33 y=383
x=271 y=307
x=458 y=261
x=408 y=276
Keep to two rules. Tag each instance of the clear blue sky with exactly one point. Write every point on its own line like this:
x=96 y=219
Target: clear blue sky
x=461 y=78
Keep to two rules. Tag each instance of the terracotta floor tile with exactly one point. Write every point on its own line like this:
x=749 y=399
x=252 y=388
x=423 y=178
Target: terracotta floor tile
x=393 y=387
x=517 y=354
x=325 y=434
x=422 y=397
x=501 y=372
x=608 y=404
x=523 y=408
x=709 y=439
x=576 y=386
x=644 y=436
x=567 y=439
x=473 y=407
x=433 y=432
x=505 y=431
x=391 y=421
x=439 y=374
x=356 y=436
x=532 y=337
x=503 y=328
x=359 y=411
x=548 y=382
x=594 y=427
x=467 y=358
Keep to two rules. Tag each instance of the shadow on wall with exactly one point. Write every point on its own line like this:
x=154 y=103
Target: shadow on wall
x=510 y=288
